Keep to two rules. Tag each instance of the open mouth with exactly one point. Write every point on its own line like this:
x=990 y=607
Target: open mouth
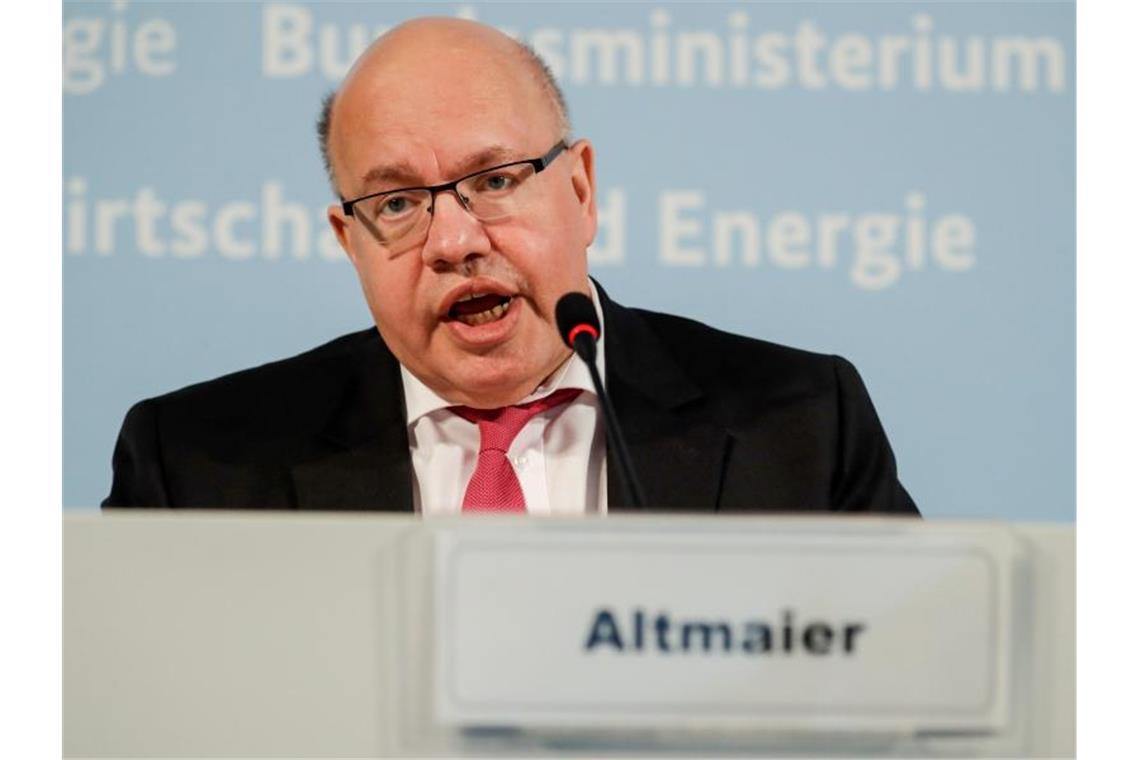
x=479 y=309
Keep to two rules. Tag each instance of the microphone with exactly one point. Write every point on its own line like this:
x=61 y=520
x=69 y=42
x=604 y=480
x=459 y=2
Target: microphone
x=580 y=329
x=578 y=323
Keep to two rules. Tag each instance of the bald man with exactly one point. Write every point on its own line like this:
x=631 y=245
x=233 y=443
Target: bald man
x=466 y=209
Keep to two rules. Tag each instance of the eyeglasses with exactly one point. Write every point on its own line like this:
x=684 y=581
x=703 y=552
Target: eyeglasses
x=398 y=218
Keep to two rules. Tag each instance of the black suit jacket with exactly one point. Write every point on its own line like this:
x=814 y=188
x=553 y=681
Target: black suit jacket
x=714 y=422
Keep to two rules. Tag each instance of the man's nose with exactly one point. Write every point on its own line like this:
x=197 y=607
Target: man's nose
x=454 y=234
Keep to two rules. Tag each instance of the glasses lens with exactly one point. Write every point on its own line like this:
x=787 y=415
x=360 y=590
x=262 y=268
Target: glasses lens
x=497 y=193
x=396 y=216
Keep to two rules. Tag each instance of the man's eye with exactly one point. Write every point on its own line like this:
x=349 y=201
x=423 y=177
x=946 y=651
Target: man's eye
x=394 y=206
x=496 y=183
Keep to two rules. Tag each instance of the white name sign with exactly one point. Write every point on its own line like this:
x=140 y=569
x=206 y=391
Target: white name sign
x=883 y=627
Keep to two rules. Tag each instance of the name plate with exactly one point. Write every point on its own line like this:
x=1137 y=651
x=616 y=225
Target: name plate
x=866 y=627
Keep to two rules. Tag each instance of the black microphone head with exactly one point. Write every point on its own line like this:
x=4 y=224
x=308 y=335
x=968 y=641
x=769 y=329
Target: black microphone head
x=575 y=314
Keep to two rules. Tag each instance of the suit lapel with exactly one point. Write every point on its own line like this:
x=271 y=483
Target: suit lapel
x=367 y=465
x=677 y=453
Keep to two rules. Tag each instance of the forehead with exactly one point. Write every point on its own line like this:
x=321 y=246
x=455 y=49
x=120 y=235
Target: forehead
x=433 y=111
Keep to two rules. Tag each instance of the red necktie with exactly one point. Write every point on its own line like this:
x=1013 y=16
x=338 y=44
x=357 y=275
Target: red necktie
x=494 y=487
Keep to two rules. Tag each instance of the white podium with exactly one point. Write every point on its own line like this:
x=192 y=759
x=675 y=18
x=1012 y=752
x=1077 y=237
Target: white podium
x=360 y=635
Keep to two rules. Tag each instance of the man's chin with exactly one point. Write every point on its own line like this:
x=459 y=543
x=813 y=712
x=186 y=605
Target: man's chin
x=493 y=387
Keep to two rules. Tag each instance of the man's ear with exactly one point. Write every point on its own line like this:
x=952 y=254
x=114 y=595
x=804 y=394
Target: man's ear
x=339 y=223
x=582 y=180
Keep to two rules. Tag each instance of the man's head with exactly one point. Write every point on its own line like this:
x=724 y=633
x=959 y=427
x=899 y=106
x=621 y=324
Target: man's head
x=430 y=102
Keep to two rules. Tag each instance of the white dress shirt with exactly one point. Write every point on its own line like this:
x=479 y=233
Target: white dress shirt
x=559 y=456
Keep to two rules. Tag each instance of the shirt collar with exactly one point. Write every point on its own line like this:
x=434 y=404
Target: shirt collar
x=420 y=400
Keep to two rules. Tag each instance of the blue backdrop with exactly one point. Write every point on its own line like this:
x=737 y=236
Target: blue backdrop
x=893 y=182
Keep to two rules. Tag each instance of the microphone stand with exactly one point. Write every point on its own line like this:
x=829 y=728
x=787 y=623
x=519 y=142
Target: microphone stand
x=586 y=348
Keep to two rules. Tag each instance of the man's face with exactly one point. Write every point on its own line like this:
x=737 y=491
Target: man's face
x=427 y=117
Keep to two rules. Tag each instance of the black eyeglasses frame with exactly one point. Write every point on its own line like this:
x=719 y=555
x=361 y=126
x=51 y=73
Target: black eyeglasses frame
x=539 y=164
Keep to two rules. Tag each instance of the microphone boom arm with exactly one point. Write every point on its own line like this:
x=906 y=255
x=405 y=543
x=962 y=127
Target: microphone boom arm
x=586 y=348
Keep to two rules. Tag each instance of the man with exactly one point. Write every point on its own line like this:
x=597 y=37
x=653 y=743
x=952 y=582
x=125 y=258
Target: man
x=467 y=212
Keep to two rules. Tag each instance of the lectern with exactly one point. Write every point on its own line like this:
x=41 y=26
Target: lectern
x=301 y=635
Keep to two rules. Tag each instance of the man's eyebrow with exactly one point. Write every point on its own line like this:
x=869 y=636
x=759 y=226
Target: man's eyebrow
x=402 y=174
x=485 y=158
x=398 y=174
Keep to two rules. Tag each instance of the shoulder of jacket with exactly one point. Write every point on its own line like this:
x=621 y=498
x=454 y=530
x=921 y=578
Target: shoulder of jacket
x=307 y=374
x=704 y=349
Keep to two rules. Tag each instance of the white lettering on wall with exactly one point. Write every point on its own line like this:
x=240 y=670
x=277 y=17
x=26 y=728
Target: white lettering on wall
x=728 y=52
x=609 y=244
x=97 y=47
x=874 y=248
x=878 y=246
x=293 y=45
x=677 y=226
x=286 y=40
x=272 y=228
